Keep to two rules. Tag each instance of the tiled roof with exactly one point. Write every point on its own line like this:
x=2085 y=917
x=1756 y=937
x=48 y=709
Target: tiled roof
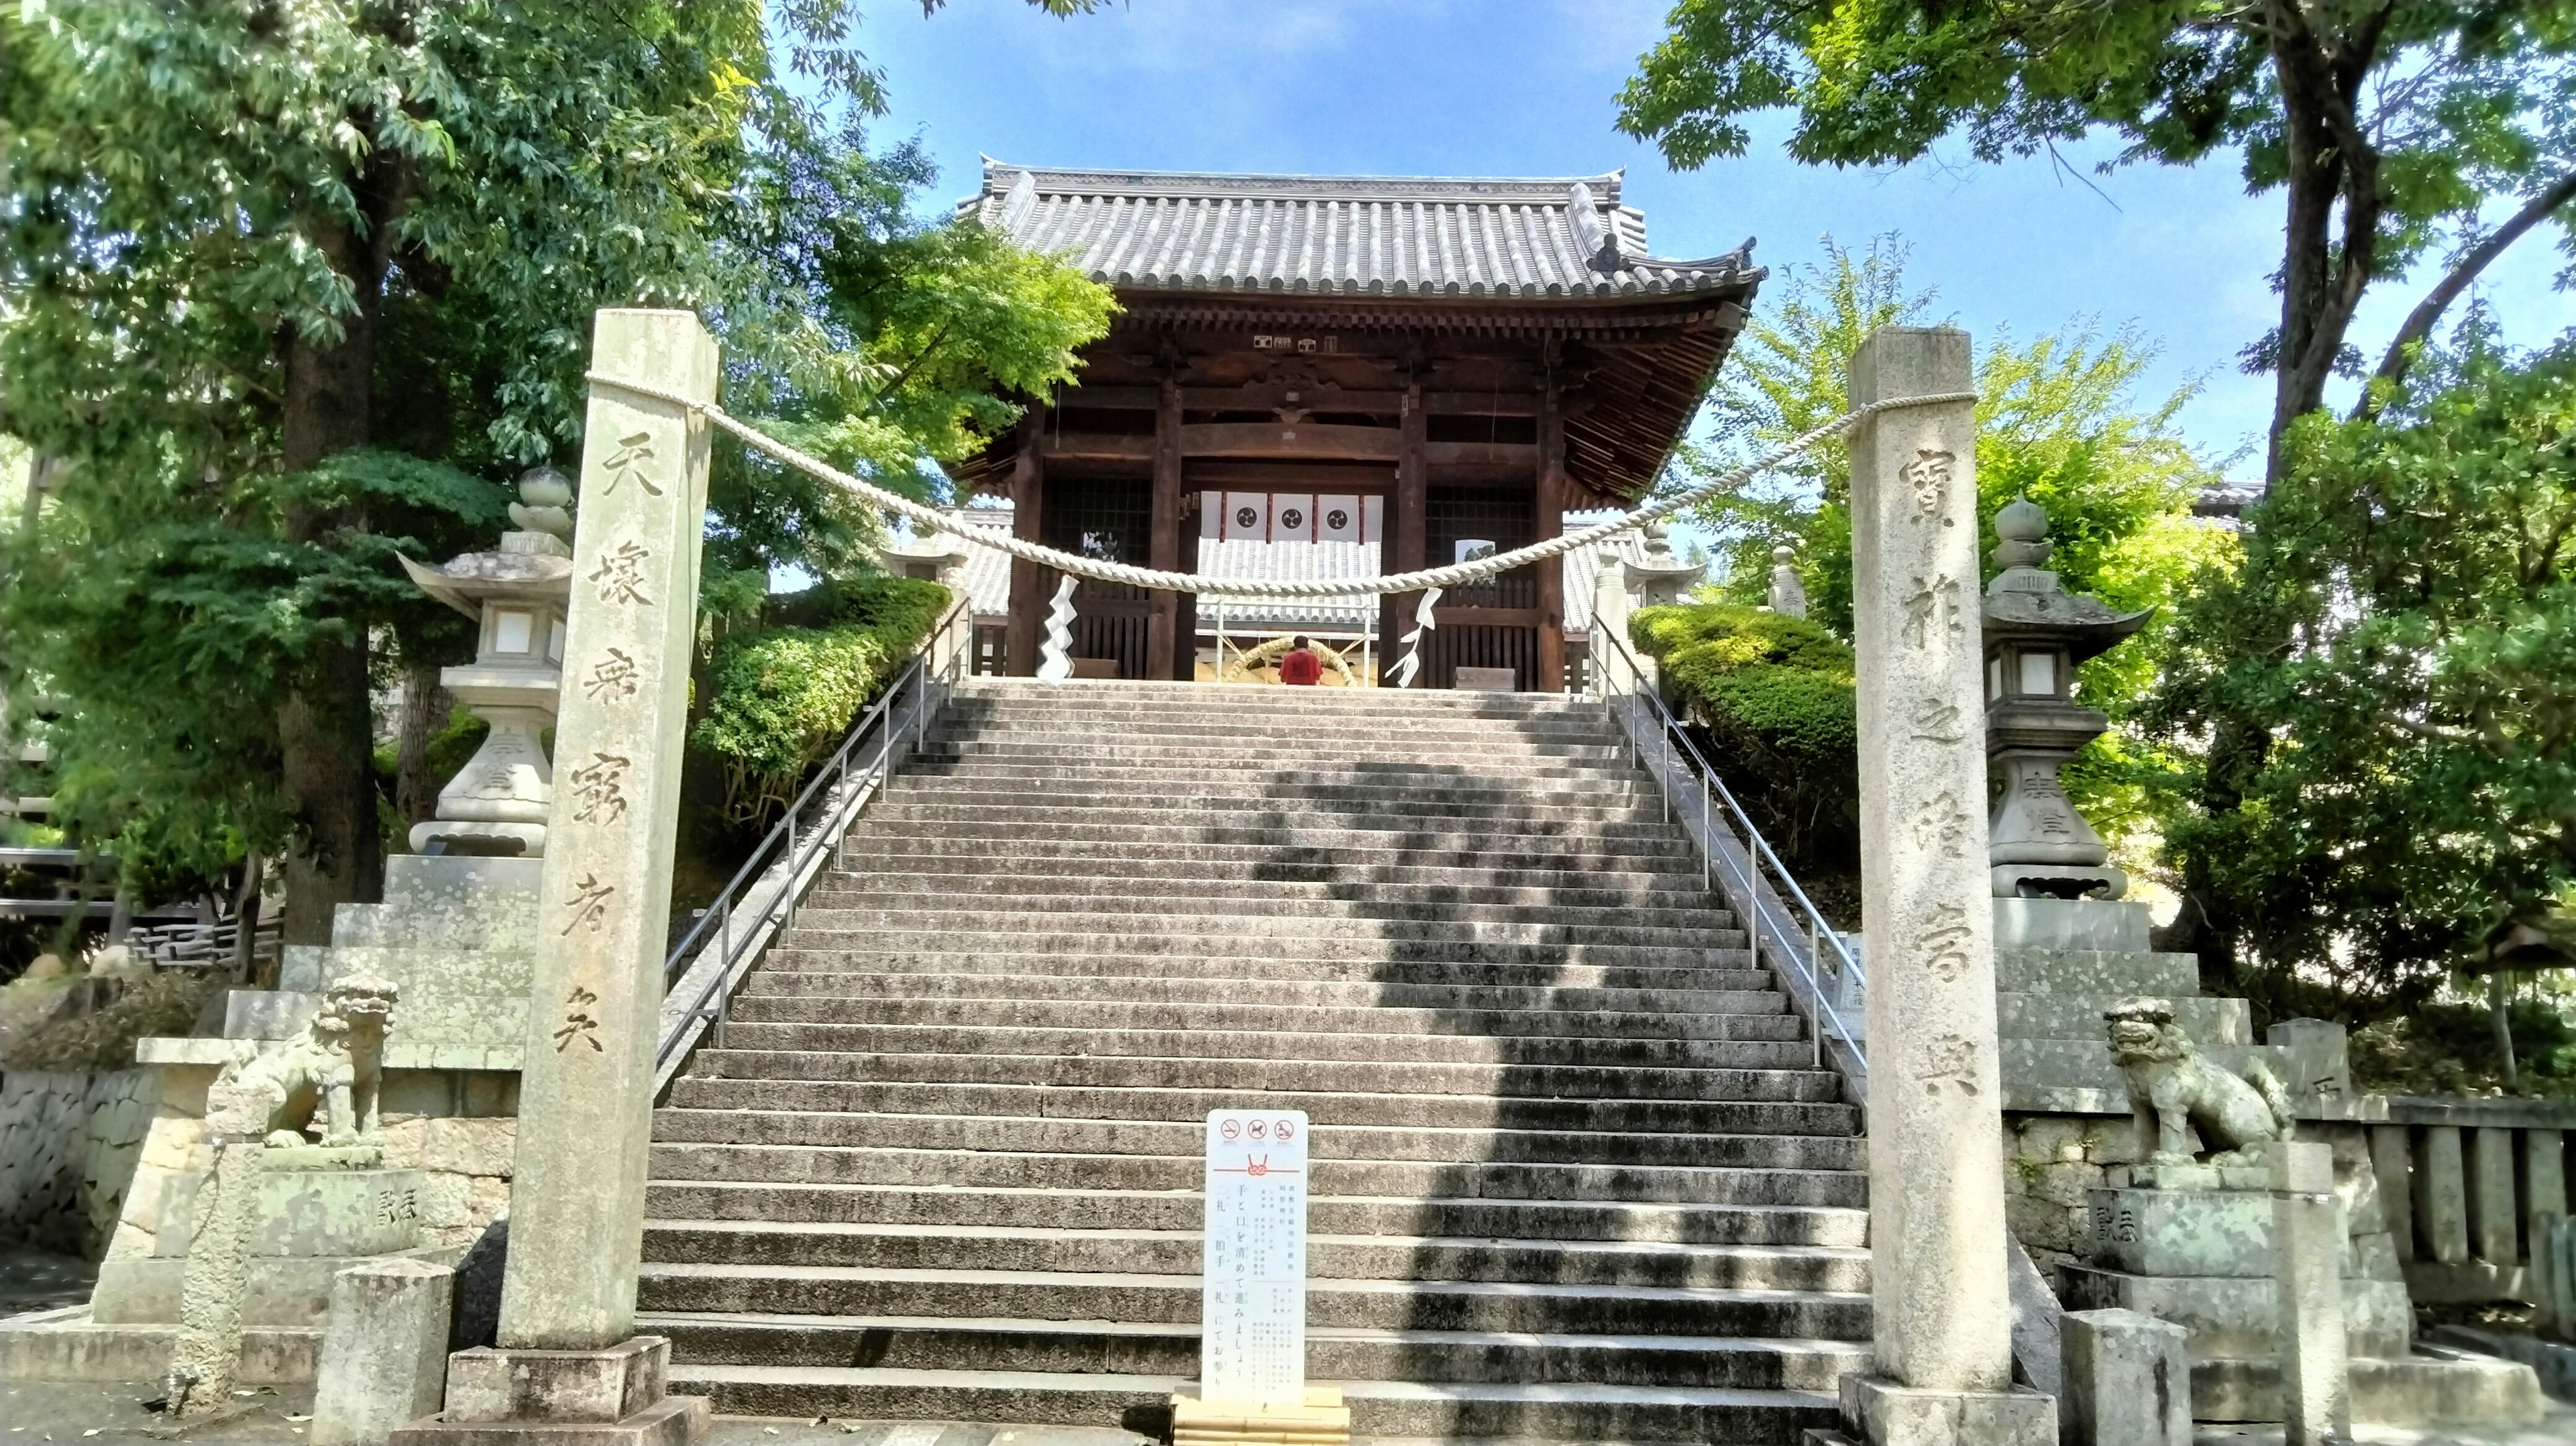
x=988 y=574
x=1526 y=239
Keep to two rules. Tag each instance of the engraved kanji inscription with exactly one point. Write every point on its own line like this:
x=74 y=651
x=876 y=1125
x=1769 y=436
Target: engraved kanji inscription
x=1943 y=942
x=598 y=786
x=589 y=903
x=579 y=1023
x=1928 y=475
x=611 y=677
x=1937 y=722
x=1941 y=824
x=1932 y=614
x=620 y=574
x=1949 y=1060
x=626 y=464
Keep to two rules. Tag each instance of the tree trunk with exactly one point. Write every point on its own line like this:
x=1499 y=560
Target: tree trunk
x=326 y=732
x=425 y=707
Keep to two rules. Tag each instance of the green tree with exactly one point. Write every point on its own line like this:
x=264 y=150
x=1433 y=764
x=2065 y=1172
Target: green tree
x=288 y=286
x=2388 y=126
x=2417 y=783
x=2056 y=422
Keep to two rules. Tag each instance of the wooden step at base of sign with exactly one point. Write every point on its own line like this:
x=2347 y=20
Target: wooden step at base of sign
x=1322 y=1420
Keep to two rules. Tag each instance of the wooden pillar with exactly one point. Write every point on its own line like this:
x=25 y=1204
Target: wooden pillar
x=1162 y=624
x=1551 y=514
x=1406 y=536
x=1030 y=583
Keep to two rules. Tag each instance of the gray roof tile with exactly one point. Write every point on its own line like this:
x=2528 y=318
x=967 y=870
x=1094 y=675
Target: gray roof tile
x=1420 y=236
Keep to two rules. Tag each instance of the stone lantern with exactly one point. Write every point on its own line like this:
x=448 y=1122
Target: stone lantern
x=1659 y=578
x=497 y=803
x=2035 y=633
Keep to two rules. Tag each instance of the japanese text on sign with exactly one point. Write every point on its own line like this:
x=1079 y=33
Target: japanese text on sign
x=1252 y=1345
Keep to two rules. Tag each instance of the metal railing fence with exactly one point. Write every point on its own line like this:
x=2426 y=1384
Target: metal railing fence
x=1785 y=926
x=758 y=904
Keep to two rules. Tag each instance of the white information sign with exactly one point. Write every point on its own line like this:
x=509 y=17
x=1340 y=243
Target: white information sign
x=1252 y=1344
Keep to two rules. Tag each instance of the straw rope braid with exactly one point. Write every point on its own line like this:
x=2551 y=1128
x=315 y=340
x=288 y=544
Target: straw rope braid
x=1099 y=569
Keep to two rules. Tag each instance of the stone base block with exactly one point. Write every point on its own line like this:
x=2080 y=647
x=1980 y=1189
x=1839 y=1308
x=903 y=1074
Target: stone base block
x=2242 y=1316
x=2434 y=1387
x=67 y=1345
x=2071 y=924
x=1885 y=1413
x=2214 y=1232
x=2553 y=1363
x=505 y=1396
x=671 y=1421
x=494 y=1383
x=285 y=1290
x=2064 y=882
x=308 y=1212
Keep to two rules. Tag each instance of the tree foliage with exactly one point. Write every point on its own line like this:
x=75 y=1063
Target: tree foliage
x=2398 y=645
x=291 y=287
x=2388 y=126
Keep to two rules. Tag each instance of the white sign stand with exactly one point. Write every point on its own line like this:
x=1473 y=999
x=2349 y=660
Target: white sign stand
x=1252 y=1310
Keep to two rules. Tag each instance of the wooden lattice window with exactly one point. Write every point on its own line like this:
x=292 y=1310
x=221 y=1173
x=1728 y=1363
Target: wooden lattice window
x=1507 y=519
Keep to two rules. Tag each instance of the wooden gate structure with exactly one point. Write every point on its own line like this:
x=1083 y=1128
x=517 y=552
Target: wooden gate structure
x=1484 y=354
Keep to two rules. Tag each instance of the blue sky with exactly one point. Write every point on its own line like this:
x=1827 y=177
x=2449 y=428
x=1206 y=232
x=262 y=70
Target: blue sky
x=1526 y=87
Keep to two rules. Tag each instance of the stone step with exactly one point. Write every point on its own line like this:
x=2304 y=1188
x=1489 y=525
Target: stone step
x=1332 y=1353
x=1213 y=907
x=1026 y=1207
x=870 y=1165
x=1390 y=943
x=1664 y=853
x=961 y=967
x=1028 y=1135
x=1361 y=825
x=1254 y=989
x=2079 y=1016
x=916 y=799
x=1437 y=790
x=1382 y=1304
x=1176 y=1253
x=817 y=928
x=1128 y=700
x=1380 y=1410
x=1224 y=753
x=1493 y=774
x=1604 y=888
x=1763 y=1117
x=1254 y=1015
x=2096 y=971
x=1478 y=1080
x=1522 y=1051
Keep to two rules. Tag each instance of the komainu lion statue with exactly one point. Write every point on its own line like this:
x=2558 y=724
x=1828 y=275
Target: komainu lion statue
x=2170 y=1078
x=330 y=1071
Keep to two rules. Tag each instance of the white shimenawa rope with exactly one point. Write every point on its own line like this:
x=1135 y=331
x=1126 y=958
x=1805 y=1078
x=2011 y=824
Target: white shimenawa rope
x=1431 y=581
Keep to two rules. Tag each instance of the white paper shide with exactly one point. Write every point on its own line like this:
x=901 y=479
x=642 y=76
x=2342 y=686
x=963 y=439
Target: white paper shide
x=1252 y=1349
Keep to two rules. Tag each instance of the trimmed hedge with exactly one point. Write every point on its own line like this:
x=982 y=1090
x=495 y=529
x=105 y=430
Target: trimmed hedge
x=779 y=697
x=1774 y=695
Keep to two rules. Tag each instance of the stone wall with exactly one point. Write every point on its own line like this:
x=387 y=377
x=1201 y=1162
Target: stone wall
x=457 y=1127
x=69 y=1145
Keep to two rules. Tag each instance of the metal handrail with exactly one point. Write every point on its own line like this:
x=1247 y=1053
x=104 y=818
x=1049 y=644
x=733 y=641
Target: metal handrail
x=737 y=947
x=1820 y=933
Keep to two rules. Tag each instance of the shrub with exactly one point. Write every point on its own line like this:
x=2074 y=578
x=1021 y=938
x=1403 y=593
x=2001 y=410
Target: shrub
x=1773 y=694
x=779 y=697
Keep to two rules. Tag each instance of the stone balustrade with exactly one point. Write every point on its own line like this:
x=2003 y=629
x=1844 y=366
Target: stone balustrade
x=2469 y=1186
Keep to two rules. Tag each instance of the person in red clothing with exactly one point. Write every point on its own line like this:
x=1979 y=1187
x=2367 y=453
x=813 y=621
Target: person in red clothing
x=1301 y=666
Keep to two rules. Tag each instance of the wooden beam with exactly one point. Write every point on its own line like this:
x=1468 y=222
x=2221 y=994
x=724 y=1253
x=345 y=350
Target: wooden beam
x=1521 y=457
x=1550 y=458
x=1162 y=623
x=1097 y=447
x=1291 y=439
x=1029 y=581
x=1363 y=479
x=1265 y=396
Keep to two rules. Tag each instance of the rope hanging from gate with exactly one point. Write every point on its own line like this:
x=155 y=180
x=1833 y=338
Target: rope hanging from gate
x=1430 y=581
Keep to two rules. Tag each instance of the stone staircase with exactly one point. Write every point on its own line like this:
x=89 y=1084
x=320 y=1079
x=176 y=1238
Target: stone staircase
x=1577 y=1177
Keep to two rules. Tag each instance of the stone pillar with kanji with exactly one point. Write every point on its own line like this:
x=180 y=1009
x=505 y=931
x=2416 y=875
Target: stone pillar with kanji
x=1943 y=1361
x=568 y=1360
